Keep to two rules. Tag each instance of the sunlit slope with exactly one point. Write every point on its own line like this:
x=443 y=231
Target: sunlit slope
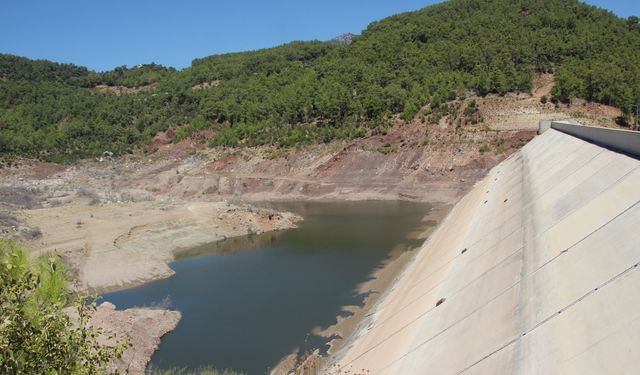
x=410 y=65
x=535 y=270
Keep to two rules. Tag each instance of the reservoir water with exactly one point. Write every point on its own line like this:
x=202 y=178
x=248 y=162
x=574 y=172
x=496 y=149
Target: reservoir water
x=248 y=302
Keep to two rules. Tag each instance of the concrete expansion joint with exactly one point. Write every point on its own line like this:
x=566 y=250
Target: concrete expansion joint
x=550 y=317
x=567 y=177
x=581 y=298
x=567 y=214
x=511 y=342
x=451 y=295
x=585 y=237
x=526 y=227
x=468 y=249
x=559 y=312
x=544 y=200
x=439 y=302
x=430 y=338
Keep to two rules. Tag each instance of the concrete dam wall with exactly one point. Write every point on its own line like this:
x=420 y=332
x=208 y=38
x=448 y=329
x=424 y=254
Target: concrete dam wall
x=535 y=271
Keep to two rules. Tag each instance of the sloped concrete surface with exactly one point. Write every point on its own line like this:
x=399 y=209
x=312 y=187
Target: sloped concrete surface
x=535 y=271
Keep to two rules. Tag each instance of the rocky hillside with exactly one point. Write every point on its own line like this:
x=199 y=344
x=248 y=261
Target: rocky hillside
x=343 y=39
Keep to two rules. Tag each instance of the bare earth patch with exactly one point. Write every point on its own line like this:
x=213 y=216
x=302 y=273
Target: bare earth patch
x=119 y=90
x=140 y=328
x=114 y=246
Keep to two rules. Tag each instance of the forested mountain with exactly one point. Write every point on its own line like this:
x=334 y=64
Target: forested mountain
x=306 y=92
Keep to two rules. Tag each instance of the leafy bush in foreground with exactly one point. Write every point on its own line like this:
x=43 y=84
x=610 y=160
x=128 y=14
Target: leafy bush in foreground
x=36 y=335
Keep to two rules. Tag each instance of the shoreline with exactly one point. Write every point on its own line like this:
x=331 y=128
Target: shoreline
x=420 y=232
x=382 y=279
x=118 y=246
x=379 y=282
x=142 y=328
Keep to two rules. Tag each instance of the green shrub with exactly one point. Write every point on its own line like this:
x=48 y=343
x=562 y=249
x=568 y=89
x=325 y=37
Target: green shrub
x=387 y=149
x=36 y=335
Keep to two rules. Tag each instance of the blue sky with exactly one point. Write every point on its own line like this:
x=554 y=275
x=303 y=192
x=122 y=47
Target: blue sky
x=104 y=34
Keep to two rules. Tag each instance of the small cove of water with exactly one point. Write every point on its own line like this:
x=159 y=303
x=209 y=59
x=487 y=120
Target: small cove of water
x=248 y=302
